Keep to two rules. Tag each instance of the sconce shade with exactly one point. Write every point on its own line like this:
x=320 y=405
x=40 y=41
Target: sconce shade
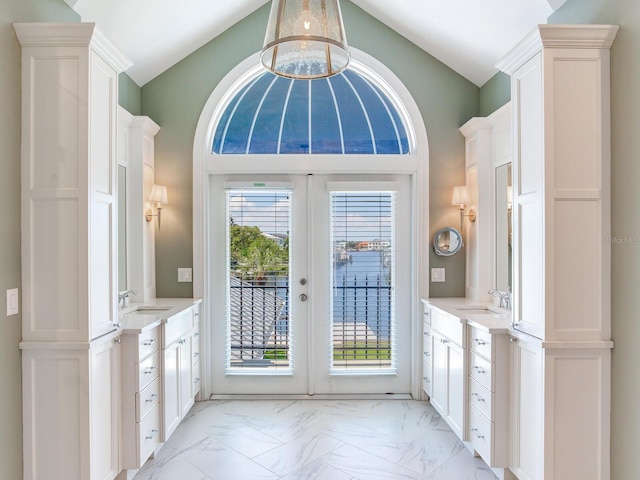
x=305 y=39
x=460 y=196
x=159 y=194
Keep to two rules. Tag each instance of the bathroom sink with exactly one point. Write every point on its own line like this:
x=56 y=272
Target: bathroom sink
x=150 y=309
x=476 y=310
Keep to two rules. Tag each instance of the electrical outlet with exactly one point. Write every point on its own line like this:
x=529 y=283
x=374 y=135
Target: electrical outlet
x=184 y=275
x=437 y=275
x=12 y=302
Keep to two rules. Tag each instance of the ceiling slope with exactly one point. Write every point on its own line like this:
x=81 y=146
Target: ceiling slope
x=470 y=36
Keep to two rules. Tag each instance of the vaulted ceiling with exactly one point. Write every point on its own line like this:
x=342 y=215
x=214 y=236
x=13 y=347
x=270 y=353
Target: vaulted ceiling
x=470 y=36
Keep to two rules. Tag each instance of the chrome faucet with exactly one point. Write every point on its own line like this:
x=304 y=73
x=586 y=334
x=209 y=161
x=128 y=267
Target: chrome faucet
x=123 y=298
x=505 y=297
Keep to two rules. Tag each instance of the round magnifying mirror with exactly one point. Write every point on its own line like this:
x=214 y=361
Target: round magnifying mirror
x=447 y=241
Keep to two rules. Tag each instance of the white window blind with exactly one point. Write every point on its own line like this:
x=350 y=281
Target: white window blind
x=363 y=337
x=258 y=323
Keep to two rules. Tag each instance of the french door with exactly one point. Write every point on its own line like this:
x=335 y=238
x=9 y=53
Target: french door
x=311 y=288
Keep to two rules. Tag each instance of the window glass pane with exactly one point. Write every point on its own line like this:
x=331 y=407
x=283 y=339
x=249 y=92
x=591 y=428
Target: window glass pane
x=258 y=328
x=362 y=275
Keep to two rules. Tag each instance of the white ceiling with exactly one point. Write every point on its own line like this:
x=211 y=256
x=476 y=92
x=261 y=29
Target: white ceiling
x=470 y=36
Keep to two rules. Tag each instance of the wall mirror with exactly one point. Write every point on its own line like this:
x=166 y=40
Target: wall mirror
x=447 y=241
x=504 y=206
x=122 y=228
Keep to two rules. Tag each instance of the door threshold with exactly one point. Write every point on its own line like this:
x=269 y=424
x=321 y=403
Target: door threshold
x=335 y=396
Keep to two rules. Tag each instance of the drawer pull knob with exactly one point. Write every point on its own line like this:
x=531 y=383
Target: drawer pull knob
x=151 y=398
x=149 y=342
x=196 y=355
x=426 y=379
x=152 y=434
x=150 y=370
x=427 y=354
x=475 y=431
x=478 y=397
x=479 y=341
x=197 y=380
x=479 y=370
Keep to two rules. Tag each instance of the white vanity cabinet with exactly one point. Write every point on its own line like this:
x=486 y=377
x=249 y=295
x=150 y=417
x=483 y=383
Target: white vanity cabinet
x=448 y=393
x=141 y=397
x=488 y=388
x=177 y=354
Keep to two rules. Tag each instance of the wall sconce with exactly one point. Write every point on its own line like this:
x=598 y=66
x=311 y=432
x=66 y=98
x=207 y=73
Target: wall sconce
x=158 y=196
x=461 y=197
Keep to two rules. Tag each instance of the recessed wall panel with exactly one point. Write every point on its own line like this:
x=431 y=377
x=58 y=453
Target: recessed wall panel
x=101 y=280
x=55 y=142
x=55 y=267
x=530 y=127
x=56 y=416
x=531 y=268
x=101 y=132
x=578 y=267
x=577 y=121
x=577 y=423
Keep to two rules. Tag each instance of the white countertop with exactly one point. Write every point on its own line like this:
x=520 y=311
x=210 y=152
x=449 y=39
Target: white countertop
x=135 y=322
x=496 y=320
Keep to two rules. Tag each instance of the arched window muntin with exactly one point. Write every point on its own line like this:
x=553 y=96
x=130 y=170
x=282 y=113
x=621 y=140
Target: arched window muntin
x=373 y=102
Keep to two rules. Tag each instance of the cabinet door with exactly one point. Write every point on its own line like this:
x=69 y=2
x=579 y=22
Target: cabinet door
x=186 y=382
x=105 y=411
x=528 y=231
x=171 y=390
x=456 y=388
x=526 y=409
x=439 y=380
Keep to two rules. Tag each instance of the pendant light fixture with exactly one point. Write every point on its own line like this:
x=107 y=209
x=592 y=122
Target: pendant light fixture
x=305 y=39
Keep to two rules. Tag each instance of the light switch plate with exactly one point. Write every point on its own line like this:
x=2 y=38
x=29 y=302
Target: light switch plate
x=437 y=275
x=184 y=275
x=12 y=302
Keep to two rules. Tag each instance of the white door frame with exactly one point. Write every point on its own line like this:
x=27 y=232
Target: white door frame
x=416 y=164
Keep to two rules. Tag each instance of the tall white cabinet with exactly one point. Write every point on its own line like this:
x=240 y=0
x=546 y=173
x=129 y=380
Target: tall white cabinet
x=561 y=350
x=70 y=345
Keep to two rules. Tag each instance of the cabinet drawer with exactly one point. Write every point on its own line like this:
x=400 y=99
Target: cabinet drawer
x=149 y=433
x=178 y=326
x=480 y=370
x=447 y=325
x=148 y=370
x=480 y=433
x=148 y=342
x=480 y=342
x=195 y=376
x=195 y=347
x=426 y=377
x=147 y=399
x=426 y=315
x=427 y=344
x=480 y=397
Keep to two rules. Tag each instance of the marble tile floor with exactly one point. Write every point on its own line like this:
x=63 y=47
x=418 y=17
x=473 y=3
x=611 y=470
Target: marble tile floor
x=314 y=440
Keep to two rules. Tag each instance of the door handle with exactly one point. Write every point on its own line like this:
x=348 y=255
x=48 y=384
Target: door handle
x=303 y=297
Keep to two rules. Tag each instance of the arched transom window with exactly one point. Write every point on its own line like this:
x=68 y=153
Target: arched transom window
x=343 y=114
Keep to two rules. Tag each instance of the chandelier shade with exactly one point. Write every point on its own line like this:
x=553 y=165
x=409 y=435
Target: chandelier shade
x=305 y=39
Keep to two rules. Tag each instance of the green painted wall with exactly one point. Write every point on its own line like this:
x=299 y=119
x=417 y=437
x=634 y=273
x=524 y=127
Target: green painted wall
x=129 y=95
x=10 y=276
x=176 y=98
x=495 y=93
x=625 y=228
